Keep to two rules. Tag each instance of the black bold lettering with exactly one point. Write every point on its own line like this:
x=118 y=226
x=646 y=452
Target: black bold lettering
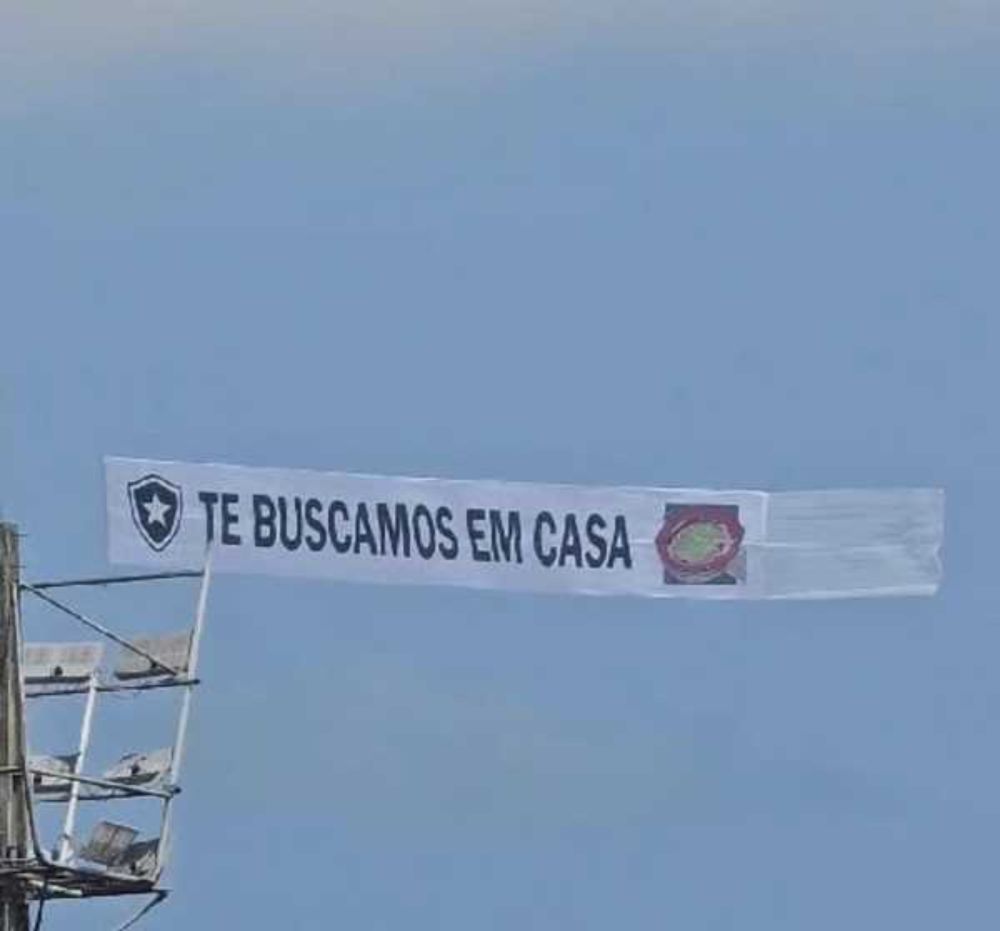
x=342 y=544
x=363 y=530
x=448 y=547
x=620 y=548
x=545 y=557
x=209 y=499
x=230 y=518
x=423 y=531
x=397 y=529
x=316 y=537
x=264 y=532
x=288 y=540
x=598 y=551
x=571 y=542
x=506 y=538
x=476 y=533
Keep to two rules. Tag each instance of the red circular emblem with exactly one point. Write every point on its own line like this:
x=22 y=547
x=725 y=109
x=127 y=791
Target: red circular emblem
x=698 y=542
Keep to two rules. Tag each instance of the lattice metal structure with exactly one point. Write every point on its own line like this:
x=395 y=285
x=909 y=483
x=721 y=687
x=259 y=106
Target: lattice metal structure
x=115 y=859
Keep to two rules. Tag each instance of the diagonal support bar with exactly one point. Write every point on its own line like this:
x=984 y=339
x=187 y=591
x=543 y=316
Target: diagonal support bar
x=100 y=628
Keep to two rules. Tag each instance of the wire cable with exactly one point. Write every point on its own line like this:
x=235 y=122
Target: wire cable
x=158 y=897
x=41 y=904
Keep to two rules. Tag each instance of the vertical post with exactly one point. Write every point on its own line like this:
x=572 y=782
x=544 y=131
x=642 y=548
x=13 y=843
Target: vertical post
x=185 y=712
x=192 y=672
x=69 y=824
x=14 y=842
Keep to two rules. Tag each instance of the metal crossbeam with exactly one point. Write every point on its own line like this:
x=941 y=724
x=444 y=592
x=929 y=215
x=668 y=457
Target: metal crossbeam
x=42 y=692
x=105 y=783
x=113 y=580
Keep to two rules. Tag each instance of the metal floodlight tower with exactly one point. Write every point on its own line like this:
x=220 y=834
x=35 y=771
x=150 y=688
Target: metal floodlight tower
x=115 y=860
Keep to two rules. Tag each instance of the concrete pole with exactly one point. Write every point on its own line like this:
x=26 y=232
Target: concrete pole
x=14 y=840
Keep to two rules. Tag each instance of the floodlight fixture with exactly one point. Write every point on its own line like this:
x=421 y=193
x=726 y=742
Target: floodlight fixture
x=140 y=859
x=172 y=653
x=53 y=663
x=46 y=772
x=140 y=768
x=108 y=843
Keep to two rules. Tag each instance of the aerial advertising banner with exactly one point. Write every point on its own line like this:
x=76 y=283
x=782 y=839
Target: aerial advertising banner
x=655 y=542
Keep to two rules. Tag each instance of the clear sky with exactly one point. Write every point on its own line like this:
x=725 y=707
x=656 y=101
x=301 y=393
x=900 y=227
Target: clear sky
x=732 y=244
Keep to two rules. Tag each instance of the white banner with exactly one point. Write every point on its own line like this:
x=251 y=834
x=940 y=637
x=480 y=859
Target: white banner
x=659 y=542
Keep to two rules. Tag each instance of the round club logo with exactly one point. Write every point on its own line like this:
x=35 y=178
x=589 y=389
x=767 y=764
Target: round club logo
x=156 y=506
x=699 y=544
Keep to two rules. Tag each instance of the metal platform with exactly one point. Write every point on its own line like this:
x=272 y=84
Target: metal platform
x=42 y=880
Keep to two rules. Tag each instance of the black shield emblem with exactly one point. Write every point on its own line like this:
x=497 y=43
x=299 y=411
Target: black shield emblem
x=156 y=509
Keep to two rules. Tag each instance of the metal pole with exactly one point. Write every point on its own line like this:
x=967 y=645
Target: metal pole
x=14 y=842
x=69 y=825
x=185 y=713
x=192 y=671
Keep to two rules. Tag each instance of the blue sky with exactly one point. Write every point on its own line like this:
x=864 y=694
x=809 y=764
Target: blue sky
x=750 y=248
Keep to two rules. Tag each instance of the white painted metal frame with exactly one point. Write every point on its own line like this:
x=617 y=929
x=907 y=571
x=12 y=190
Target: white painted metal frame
x=65 y=849
x=60 y=874
x=184 y=717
